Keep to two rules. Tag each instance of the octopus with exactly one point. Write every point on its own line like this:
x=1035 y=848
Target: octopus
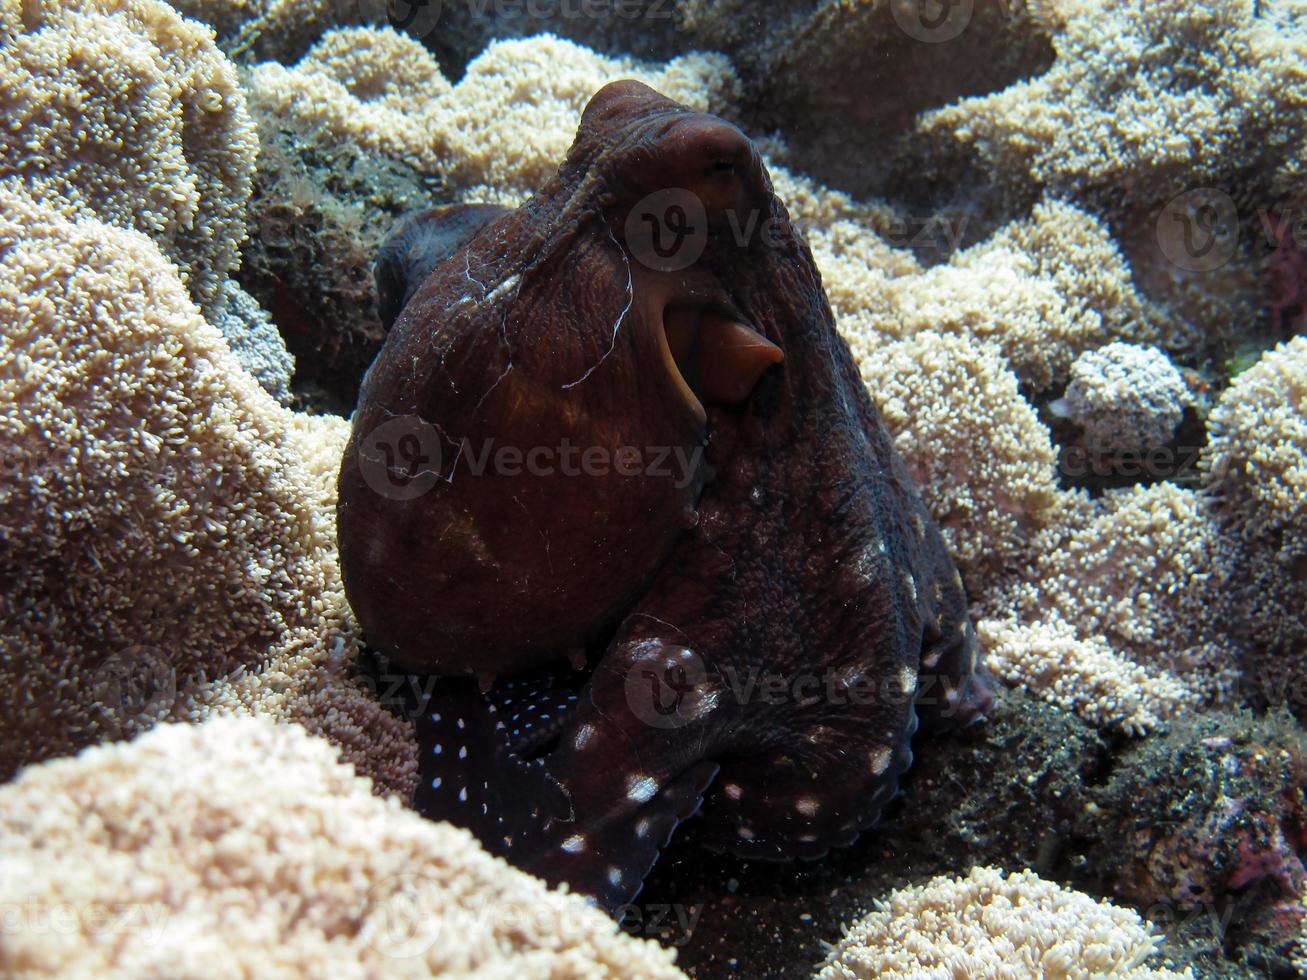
x=616 y=493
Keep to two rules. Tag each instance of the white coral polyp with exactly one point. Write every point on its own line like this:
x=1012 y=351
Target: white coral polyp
x=995 y=925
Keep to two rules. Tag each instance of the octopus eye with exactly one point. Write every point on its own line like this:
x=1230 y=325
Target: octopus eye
x=707 y=157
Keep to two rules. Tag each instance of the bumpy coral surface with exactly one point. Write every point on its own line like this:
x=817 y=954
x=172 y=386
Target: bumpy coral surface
x=1124 y=613
x=253 y=338
x=1042 y=289
x=982 y=462
x=1257 y=458
x=240 y=848
x=497 y=134
x=1256 y=465
x=1156 y=98
x=992 y=925
x=1125 y=397
x=165 y=521
x=130 y=110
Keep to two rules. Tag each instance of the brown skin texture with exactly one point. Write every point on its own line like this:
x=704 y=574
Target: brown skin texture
x=540 y=335
x=782 y=625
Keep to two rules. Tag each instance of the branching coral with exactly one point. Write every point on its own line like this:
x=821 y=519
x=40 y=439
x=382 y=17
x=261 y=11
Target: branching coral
x=992 y=925
x=193 y=835
x=130 y=110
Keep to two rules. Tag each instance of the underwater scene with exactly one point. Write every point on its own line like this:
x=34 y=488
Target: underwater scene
x=776 y=489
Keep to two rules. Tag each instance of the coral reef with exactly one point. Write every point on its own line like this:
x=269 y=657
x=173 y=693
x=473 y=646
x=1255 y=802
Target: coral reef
x=983 y=462
x=851 y=135
x=1121 y=608
x=1256 y=466
x=198 y=834
x=1209 y=817
x=168 y=545
x=1153 y=115
x=319 y=211
x=988 y=924
x=1042 y=289
x=1034 y=787
x=1125 y=397
x=151 y=485
x=129 y=110
x=383 y=91
x=1125 y=611
x=1256 y=461
x=1148 y=101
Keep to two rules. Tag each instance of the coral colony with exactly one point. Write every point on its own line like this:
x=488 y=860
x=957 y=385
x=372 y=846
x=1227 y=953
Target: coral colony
x=981 y=395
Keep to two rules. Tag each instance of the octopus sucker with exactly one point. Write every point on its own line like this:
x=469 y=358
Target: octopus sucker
x=749 y=637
